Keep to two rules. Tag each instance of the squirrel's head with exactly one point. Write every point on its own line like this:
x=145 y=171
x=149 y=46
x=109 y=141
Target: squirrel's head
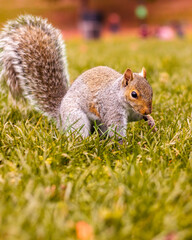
x=137 y=91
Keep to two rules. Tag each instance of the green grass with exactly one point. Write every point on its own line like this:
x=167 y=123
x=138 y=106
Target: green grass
x=139 y=190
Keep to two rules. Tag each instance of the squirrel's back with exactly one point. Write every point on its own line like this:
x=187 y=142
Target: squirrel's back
x=99 y=77
x=33 y=62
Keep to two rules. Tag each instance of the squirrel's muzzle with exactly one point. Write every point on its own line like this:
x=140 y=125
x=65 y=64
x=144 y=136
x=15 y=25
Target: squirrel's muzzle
x=146 y=111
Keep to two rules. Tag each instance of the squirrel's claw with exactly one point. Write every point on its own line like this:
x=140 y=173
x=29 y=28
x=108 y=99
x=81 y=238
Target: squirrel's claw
x=150 y=122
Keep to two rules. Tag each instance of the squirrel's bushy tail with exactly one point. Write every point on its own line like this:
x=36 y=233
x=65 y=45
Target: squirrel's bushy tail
x=33 y=62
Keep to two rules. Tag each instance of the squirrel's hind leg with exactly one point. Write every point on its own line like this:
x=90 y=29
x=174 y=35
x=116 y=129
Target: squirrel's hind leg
x=99 y=127
x=76 y=121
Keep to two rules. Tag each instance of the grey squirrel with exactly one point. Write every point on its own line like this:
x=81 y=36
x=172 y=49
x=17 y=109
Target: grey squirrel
x=33 y=62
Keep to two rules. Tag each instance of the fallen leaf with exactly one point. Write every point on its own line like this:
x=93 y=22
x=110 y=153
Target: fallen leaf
x=171 y=236
x=84 y=231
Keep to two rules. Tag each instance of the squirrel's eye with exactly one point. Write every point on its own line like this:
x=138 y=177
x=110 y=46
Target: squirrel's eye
x=134 y=94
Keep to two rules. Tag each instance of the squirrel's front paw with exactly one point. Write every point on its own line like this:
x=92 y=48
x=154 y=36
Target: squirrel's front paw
x=150 y=122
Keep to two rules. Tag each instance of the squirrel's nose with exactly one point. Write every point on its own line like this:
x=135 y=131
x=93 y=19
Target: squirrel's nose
x=147 y=111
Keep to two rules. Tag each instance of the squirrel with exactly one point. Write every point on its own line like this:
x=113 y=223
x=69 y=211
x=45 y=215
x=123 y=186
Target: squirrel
x=34 y=65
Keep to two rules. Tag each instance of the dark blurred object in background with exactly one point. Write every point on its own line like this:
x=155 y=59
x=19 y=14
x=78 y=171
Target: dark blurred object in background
x=91 y=24
x=178 y=27
x=114 y=22
x=144 y=30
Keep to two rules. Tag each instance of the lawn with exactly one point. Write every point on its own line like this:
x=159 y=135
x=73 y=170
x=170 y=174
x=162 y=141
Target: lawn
x=51 y=183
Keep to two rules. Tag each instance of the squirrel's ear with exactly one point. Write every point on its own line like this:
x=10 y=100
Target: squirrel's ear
x=143 y=73
x=128 y=76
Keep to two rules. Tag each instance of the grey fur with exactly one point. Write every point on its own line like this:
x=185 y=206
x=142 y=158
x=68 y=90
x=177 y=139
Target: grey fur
x=114 y=110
